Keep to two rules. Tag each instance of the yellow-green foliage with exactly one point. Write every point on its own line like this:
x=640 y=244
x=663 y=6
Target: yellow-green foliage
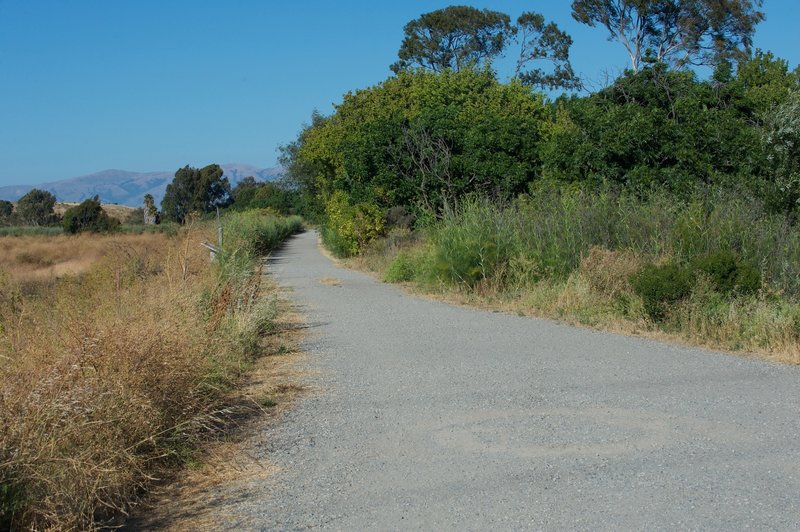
x=427 y=137
x=350 y=227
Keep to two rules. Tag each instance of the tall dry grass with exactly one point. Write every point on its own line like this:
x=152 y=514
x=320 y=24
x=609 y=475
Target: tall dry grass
x=112 y=377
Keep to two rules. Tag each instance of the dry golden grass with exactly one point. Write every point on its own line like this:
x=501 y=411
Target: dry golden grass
x=112 y=378
x=206 y=497
x=120 y=212
x=38 y=258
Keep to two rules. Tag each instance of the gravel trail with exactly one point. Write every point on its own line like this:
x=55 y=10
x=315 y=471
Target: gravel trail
x=430 y=416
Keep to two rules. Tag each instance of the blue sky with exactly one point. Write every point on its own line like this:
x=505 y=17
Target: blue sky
x=154 y=85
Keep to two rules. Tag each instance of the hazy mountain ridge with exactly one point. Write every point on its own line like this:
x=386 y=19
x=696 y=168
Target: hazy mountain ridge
x=128 y=188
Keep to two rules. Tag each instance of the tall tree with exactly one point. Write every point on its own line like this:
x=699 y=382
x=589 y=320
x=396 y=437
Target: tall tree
x=195 y=189
x=150 y=212
x=453 y=38
x=36 y=208
x=676 y=32
x=541 y=41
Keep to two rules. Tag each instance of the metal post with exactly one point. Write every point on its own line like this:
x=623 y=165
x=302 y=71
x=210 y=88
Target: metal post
x=219 y=230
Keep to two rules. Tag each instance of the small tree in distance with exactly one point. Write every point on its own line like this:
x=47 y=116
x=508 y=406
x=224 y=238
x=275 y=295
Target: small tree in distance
x=150 y=212
x=88 y=216
x=195 y=189
x=6 y=212
x=36 y=208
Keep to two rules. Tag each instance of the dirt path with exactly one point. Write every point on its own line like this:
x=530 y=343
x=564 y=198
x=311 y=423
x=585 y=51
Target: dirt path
x=429 y=416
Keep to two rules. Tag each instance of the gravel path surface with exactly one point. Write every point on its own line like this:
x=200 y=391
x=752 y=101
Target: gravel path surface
x=430 y=416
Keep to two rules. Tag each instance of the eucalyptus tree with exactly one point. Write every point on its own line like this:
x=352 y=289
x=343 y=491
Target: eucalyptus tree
x=675 y=32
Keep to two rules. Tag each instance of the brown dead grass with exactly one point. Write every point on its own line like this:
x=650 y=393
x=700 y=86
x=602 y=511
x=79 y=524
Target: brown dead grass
x=120 y=212
x=205 y=497
x=113 y=378
x=39 y=258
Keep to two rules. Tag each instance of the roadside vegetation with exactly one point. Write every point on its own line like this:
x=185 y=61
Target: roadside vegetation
x=662 y=203
x=114 y=374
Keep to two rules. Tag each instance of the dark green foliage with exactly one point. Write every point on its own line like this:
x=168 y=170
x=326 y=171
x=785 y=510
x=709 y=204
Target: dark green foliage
x=136 y=217
x=398 y=216
x=12 y=502
x=275 y=196
x=656 y=129
x=36 y=208
x=453 y=38
x=660 y=287
x=198 y=190
x=728 y=272
x=88 y=216
x=678 y=32
x=247 y=183
x=424 y=140
x=540 y=41
x=6 y=212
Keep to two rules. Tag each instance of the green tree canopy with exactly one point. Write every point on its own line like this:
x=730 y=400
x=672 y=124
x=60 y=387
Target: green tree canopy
x=656 y=128
x=247 y=183
x=453 y=38
x=676 y=32
x=36 y=208
x=424 y=140
x=88 y=216
x=459 y=37
x=543 y=41
x=195 y=189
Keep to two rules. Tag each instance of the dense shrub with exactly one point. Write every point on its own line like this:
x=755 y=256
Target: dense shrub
x=728 y=273
x=348 y=228
x=424 y=139
x=257 y=232
x=472 y=244
x=88 y=216
x=403 y=268
x=661 y=286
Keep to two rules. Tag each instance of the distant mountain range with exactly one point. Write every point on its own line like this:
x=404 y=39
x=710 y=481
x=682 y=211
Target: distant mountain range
x=128 y=188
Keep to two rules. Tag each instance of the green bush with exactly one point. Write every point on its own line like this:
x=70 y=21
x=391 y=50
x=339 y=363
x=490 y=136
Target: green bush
x=89 y=216
x=402 y=269
x=349 y=227
x=257 y=232
x=661 y=286
x=473 y=244
x=728 y=272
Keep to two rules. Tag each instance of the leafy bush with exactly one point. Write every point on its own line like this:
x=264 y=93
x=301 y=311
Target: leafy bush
x=781 y=140
x=661 y=286
x=89 y=216
x=350 y=227
x=402 y=268
x=728 y=272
